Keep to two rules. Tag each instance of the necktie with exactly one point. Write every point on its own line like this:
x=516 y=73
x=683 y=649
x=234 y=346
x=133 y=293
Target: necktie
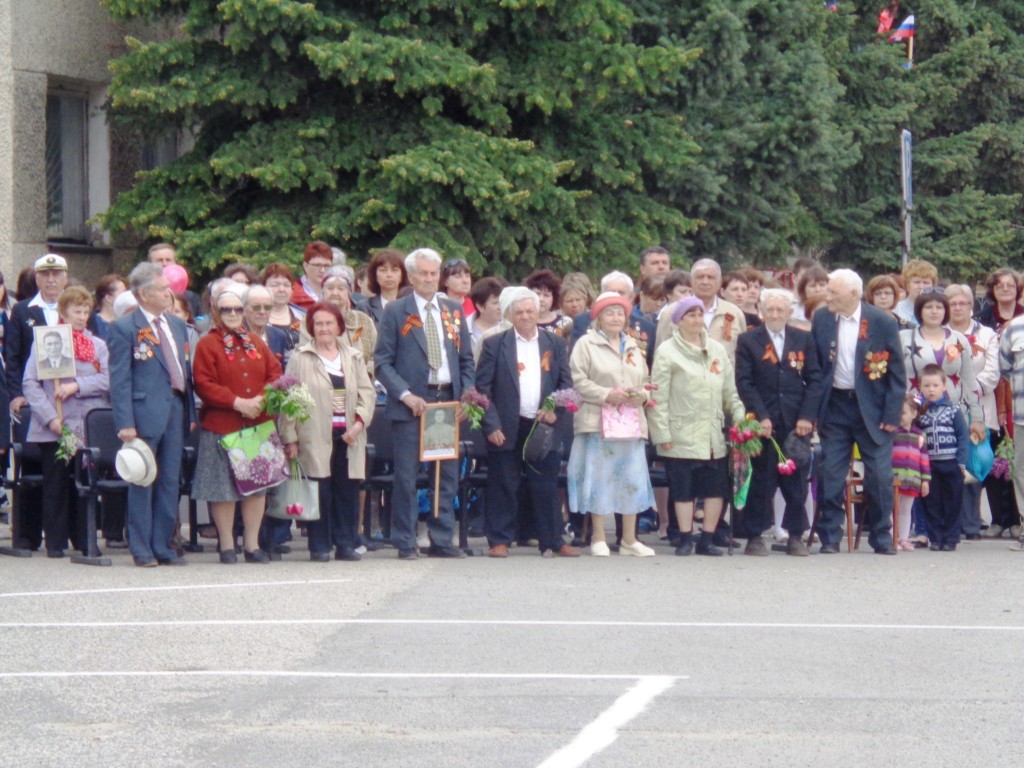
x=433 y=340
x=177 y=380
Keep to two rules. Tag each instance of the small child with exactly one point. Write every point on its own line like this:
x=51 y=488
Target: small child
x=946 y=435
x=910 y=467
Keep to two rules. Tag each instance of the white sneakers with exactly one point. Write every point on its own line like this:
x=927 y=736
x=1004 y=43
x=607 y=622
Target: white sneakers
x=636 y=549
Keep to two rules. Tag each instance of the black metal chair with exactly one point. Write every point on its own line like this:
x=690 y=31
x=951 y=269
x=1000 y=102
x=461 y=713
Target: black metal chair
x=473 y=450
x=380 y=475
x=26 y=477
x=96 y=476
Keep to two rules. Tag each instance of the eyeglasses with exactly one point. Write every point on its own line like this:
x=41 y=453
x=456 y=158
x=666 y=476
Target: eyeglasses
x=455 y=265
x=319 y=265
x=261 y=307
x=230 y=310
x=936 y=290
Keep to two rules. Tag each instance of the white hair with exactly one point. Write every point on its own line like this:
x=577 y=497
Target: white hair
x=143 y=276
x=707 y=264
x=421 y=254
x=614 y=277
x=338 y=257
x=256 y=290
x=777 y=294
x=342 y=272
x=125 y=303
x=513 y=294
x=962 y=289
x=239 y=290
x=849 y=279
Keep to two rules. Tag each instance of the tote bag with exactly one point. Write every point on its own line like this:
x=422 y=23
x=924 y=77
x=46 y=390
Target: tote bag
x=256 y=457
x=297 y=498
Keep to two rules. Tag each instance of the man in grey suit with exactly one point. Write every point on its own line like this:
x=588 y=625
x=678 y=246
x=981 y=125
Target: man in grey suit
x=424 y=355
x=151 y=394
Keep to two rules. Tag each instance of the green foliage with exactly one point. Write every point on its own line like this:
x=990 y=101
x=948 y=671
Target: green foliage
x=572 y=133
x=511 y=134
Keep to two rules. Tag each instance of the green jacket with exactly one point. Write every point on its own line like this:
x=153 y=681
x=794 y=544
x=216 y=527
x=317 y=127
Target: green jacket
x=695 y=388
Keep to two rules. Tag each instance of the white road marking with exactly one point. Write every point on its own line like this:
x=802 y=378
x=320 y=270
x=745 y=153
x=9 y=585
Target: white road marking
x=182 y=587
x=330 y=675
x=502 y=623
x=603 y=731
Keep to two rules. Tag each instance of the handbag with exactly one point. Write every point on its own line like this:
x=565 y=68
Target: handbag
x=539 y=442
x=980 y=459
x=256 y=458
x=621 y=422
x=297 y=498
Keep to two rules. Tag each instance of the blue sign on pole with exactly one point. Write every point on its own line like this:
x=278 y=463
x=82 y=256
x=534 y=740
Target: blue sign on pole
x=907 y=168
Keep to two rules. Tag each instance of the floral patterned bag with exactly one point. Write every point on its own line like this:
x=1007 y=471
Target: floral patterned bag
x=256 y=457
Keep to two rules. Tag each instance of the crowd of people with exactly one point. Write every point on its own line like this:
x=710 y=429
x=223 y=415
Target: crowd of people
x=662 y=374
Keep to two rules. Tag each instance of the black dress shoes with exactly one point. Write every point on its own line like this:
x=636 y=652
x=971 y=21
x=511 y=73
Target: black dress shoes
x=320 y=557
x=258 y=556
x=347 y=553
x=176 y=560
x=890 y=550
x=451 y=552
x=143 y=562
x=408 y=554
x=828 y=549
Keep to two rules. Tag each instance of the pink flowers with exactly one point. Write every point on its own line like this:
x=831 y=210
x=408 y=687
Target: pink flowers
x=284 y=383
x=294 y=509
x=567 y=398
x=787 y=467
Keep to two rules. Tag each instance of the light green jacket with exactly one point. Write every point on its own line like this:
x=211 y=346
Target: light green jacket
x=696 y=387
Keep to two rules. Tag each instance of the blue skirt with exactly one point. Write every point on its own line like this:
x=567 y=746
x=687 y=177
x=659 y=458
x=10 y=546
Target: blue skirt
x=606 y=476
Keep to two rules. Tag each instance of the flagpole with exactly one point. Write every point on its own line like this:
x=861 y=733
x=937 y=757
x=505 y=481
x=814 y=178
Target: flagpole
x=910 y=51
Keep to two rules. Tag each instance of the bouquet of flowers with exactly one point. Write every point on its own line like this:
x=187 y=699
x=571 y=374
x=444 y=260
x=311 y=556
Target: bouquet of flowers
x=288 y=396
x=475 y=404
x=1003 y=465
x=67 y=445
x=633 y=392
x=567 y=398
x=785 y=466
x=744 y=444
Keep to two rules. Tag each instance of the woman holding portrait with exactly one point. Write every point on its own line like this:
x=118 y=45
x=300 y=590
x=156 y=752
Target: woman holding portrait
x=89 y=389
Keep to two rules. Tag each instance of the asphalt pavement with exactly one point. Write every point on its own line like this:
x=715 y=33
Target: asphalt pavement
x=847 y=660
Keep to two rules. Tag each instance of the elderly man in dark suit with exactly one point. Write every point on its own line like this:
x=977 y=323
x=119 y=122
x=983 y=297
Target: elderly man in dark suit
x=51 y=274
x=151 y=394
x=861 y=393
x=424 y=355
x=518 y=369
x=776 y=374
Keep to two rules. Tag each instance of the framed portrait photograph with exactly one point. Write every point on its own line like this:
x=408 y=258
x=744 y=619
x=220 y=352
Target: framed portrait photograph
x=439 y=432
x=54 y=352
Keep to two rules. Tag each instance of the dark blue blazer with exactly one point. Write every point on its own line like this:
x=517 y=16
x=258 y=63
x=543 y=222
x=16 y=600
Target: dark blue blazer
x=19 y=342
x=140 y=388
x=879 y=395
x=497 y=376
x=280 y=343
x=781 y=389
x=401 y=355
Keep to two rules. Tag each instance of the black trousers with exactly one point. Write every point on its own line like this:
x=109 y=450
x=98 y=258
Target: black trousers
x=339 y=506
x=56 y=508
x=759 y=513
x=943 y=506
x=506 y=473
x=1001 y=499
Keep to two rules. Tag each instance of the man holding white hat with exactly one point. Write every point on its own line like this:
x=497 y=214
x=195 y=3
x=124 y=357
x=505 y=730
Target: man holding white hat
x=151 y=394
x=51 y=273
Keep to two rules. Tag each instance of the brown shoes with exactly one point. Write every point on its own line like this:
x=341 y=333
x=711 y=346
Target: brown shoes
x=568 y=551
x=756 y=546
x=498 y=550
x=796 y=548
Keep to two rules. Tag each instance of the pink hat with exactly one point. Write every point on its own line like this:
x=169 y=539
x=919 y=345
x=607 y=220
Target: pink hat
x=610 y=299
x=683 y=306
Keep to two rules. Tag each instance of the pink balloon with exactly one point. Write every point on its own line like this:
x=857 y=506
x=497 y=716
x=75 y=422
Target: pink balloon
x=177 y=277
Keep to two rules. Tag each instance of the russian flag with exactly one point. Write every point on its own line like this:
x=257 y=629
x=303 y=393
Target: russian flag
x=904 y=31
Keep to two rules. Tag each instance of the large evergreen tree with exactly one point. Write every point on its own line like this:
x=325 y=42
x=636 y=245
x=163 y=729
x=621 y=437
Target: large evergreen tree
x=510 y=133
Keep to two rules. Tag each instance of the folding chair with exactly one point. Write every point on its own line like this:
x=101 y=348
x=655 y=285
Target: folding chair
x=95 y=476
x=27 y=475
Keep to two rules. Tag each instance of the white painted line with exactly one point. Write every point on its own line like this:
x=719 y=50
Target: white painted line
x=182 y=587
x=603 y=731
x=504 y=623
x=325 y=675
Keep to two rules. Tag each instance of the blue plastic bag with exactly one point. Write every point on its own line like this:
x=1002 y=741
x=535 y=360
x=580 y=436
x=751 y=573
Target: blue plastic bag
x=980 y=458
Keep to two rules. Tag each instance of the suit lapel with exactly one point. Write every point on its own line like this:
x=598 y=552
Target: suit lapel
x=418 y=333
x=509 y=352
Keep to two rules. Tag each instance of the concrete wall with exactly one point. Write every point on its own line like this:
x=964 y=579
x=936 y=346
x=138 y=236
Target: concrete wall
x=44 y=43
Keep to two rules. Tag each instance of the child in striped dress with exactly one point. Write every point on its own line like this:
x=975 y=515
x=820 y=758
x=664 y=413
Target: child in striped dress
x=910 y=466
